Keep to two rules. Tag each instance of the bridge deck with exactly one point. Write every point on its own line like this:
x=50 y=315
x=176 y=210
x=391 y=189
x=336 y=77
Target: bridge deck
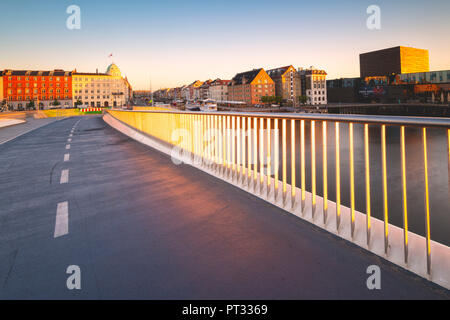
x=142 y=227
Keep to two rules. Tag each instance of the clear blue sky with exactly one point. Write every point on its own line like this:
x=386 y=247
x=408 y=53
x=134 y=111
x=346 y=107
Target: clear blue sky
x=176 y=42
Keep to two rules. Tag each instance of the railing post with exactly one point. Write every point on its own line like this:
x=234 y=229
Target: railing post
x=224 y=146
x=427 y=201
x=261 y=155
x=233 y=148
x=243 y=132
x=338 y=177
x=385 y=190
x=255 y=153
x=249 y=150
x=324 y=172
x=238 y=148
x=293 y=163
x=216 y=140
x=352 y=180
x=269 y=159
x=283 y=141
x=276 y=159
x=404 y=193
x=313 y=168
x=302 y=166
x=228 y=146
x=367 y=166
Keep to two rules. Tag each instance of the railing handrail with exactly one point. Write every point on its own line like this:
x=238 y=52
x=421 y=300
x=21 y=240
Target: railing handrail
x=370 y=119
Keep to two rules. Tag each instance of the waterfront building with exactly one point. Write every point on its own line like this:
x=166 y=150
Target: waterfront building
x=48 y=89
x=203 y=90
x=287 y=83
x=250 y=86
x=397 y=60
x=193 y=92
x=107 y=89
x=218 y=90
x=185 y=92
x=313 y=82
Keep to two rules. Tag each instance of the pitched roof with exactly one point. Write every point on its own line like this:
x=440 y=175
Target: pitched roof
x=56 y=72
x=220 y=82
x=277 y=71
x=249 y=76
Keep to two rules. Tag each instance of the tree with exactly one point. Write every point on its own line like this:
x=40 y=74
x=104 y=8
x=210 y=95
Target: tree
x=302 y=99
x=3 y=105
x=56 y=103
x=78 y=103
x=265 y=99
x=277 y=99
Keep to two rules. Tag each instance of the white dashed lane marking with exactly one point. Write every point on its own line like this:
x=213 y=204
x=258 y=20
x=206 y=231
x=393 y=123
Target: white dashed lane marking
x=66 y=157
x=64 y=176
x=62 y=219
x=68 y=146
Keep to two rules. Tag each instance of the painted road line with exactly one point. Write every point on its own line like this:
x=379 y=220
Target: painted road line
x=66 y=157
x=62 y=219
x=68 y=146
x=70 y=135
x=69 y=140
x=64 y=176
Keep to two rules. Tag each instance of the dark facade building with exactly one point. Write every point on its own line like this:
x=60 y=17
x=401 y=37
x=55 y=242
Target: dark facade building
x=395 y=60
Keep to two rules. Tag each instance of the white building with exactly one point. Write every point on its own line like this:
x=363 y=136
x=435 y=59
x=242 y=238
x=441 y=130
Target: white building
x=107 y=89
x=314 y=85
x=218 y=90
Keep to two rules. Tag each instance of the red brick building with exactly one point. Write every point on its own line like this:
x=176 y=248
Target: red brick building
x=22 y=86
x=250 y=86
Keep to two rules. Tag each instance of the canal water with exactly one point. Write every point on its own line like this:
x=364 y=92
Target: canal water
x=438 y=172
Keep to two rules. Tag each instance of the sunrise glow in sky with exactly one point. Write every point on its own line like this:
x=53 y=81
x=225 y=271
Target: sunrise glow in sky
x=176 y=42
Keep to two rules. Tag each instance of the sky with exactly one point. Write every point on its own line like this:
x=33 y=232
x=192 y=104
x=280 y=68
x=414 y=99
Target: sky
x=171 y=43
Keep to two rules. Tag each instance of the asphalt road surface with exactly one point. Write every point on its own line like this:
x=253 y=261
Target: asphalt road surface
x=140 y=227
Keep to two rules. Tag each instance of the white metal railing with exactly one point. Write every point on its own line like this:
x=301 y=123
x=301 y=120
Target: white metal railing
x=244 y=149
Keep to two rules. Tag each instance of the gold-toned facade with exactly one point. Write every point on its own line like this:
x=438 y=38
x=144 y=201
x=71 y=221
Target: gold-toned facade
x=395 y=60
